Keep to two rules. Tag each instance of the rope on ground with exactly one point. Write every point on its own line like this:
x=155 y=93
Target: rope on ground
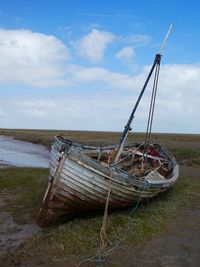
x=100 y=257
x=123 y=237
x=103 y=236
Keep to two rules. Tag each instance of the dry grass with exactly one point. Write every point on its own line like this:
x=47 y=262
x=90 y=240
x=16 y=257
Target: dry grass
x=171 y=141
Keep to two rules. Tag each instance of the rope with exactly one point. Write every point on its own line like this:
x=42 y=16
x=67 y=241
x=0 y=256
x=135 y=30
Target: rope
x=99 y=257
x=130 y=213
x=150 y=117
x=103 y=236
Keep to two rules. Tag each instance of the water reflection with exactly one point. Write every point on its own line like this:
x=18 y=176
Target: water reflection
x=22 y=154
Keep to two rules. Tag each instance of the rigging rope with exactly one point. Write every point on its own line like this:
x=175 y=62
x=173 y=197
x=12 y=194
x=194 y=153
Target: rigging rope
x=103 y=236
x=150 y=117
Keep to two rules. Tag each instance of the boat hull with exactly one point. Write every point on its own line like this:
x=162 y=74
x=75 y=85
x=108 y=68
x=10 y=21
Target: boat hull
x=78 y=184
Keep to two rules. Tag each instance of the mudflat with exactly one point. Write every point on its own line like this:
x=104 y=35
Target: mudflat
x=163 y=232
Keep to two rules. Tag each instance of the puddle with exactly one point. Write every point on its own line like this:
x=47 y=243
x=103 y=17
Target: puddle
x=22 y=154
x=13 y=234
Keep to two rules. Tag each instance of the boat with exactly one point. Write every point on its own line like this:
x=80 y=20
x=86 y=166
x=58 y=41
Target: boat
x=81 y=176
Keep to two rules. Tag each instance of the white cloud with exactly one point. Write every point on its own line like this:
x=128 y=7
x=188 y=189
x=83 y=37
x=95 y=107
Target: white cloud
x=40 y=60
x=113 y=80
x=93 y=45
x=177 y=105
x=126 y=56
x=126 y=53
x=178 y=87
x=31 y=58
x=136 y=39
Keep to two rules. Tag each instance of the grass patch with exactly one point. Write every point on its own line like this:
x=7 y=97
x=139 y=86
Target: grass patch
x=22 y=177
x=22 y=190
x=189 y=157
x=81 y=236
x=182 y=154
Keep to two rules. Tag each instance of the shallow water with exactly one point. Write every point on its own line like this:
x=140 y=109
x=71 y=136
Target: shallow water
x=22 y=154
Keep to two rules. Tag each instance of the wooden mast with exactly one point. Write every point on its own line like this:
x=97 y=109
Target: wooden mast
x=127 y=128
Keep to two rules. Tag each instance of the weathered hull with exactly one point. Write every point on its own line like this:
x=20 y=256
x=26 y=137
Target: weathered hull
x=78 y=183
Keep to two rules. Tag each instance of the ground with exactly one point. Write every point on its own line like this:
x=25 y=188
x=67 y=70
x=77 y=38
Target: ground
x=163 y=232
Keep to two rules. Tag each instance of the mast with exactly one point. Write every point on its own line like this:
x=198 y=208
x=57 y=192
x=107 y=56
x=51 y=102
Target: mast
x=128 y=128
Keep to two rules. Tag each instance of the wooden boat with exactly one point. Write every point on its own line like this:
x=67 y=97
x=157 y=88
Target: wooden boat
x=81 y=176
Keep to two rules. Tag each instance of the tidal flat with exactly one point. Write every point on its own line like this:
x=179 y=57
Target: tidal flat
x=163 y=232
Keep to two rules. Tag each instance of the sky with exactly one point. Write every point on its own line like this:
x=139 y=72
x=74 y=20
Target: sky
x=80 y=65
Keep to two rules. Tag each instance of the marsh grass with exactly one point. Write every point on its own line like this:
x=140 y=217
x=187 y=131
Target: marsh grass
x=22 y=190
x=80 y=236
x=183 y=154
x=171 y=141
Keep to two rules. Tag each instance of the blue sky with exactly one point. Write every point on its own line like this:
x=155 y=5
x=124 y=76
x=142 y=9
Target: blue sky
x=81 y=64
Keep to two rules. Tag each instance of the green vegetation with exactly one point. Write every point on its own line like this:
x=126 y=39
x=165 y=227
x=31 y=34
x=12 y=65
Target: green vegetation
x=183 y=154
x=189 y=157
x=22 y=189
x=81 y=236
x=147 y=221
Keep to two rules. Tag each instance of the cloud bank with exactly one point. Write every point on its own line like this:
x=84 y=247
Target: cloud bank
x=42 y=61
x=31 y=58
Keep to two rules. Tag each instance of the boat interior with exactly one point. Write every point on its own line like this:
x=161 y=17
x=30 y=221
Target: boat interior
x=136 y=160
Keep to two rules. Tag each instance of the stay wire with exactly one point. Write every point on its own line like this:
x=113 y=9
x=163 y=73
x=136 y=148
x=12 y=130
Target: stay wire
x=155 y=93
x=150 y=116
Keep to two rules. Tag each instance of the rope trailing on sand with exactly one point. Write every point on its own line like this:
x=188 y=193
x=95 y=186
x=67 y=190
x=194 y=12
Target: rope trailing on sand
x=102 y=254
x=103 y=235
